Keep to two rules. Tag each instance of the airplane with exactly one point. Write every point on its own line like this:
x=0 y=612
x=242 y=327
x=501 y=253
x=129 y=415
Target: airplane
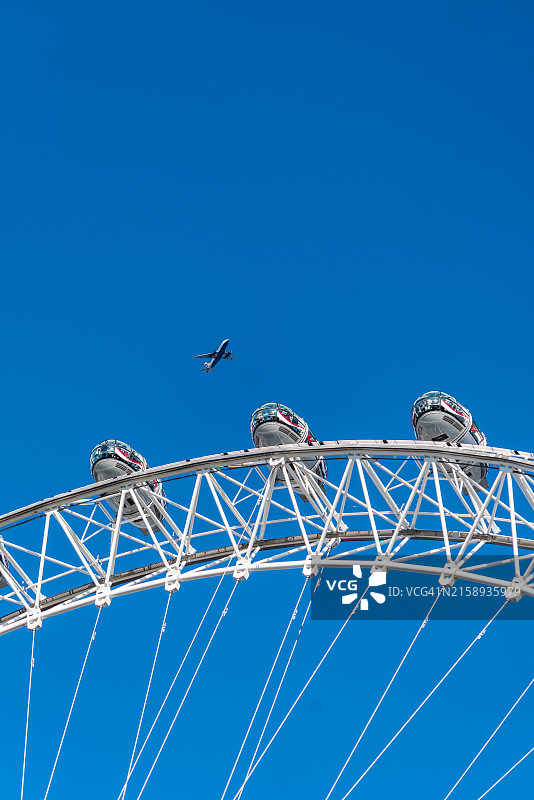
x=216 y=356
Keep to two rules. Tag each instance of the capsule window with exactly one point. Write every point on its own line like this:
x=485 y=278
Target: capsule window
x=289 y=433
x=452 y=422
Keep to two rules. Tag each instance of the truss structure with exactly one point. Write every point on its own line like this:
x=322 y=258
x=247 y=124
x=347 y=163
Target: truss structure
x=386 y=505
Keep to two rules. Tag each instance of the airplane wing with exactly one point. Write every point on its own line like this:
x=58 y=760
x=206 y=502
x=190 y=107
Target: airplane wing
x=205 y=355
x=227 y=355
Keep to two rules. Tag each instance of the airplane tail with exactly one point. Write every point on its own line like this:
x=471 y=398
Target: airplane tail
x=207 y=370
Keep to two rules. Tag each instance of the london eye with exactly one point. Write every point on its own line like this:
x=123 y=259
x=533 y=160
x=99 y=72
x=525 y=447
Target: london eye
x=459 y=514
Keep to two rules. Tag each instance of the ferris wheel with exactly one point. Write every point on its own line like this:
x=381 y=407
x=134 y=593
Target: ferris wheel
x=453 y=514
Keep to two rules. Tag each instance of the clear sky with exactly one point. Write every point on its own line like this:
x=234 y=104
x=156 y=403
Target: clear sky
x=345 y=190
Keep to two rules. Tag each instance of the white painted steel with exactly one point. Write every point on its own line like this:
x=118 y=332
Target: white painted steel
x=242 y=509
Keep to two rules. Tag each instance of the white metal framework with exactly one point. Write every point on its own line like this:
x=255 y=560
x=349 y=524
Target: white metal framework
x=239 y=513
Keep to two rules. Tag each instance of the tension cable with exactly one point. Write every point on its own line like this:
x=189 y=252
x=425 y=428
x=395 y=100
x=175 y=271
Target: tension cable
x=405 y=656
x=291 y=620
x=277 y=731
x=91 y=640
x=223 y=614
x=429 y=695
x=162 y=630
x=32 y=663
x=147 y=737
x=501 y=723
x=517 y=763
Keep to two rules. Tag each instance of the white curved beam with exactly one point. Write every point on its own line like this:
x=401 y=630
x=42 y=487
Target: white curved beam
x=199 y=528
x=380 y=448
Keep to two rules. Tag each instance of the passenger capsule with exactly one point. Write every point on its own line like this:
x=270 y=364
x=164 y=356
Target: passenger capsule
x=115 y=459
x=439 y=417
x=273 y=424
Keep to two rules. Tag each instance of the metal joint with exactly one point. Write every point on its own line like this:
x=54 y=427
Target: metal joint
x=448 y=576
x=515 y=590
x=311 y=565
x=382 y=564
x=103 y=596
x=34 y=619
x=242 y=569
x=173 y=579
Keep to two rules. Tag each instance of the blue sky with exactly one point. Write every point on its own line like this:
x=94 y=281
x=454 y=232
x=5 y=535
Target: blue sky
x=344 y=190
